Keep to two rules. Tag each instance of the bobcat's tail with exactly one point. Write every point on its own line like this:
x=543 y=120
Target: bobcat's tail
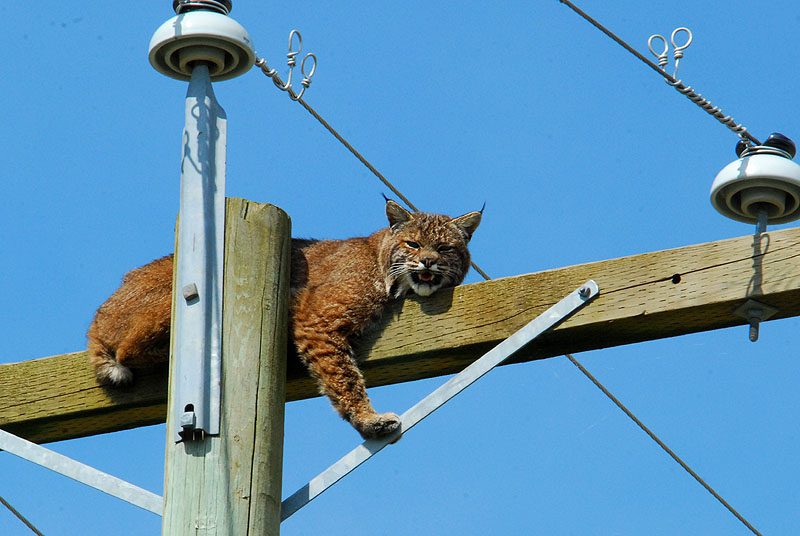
x=106 y=367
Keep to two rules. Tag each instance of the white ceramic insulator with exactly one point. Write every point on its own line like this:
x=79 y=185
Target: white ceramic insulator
x=763 y=198
x=202 y=36
x=757 y=182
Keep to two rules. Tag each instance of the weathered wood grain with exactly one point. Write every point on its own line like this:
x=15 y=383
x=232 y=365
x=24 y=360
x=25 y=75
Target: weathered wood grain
x=640 y=299
x=55 y=398
x=231 y=483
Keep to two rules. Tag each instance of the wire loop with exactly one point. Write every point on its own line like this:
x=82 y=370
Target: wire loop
x=291 y=61
x=291 y=55
x=680 y=48
x=306 y=76
x=677 y=54
x=663 y=56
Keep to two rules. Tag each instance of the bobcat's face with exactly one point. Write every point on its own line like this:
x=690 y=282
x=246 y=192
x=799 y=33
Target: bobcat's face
x=426 y=264
x=428 y=251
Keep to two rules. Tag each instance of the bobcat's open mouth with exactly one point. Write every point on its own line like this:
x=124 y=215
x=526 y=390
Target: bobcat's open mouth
x=426 y=277
x=424 y=282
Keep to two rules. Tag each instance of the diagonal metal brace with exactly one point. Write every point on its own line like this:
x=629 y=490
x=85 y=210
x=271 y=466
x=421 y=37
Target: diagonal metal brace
x=545 y=321
x=81 y=472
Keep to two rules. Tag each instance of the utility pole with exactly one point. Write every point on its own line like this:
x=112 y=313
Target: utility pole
x=229 y=307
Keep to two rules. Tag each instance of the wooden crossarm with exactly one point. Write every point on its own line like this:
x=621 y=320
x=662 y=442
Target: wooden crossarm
x=642 y=297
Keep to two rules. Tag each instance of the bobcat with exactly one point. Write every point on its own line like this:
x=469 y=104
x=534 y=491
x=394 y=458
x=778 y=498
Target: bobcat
x=338 y=287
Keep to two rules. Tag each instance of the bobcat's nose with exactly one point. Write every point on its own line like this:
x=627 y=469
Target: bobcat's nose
x=427 y=261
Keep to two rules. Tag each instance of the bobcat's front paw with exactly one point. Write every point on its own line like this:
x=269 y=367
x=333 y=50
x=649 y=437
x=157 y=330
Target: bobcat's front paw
x=378 y=425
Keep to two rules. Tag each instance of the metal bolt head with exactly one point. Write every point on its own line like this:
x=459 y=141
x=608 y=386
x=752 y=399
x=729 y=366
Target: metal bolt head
x=584 y=292
x=190 y=292
x=188 y=420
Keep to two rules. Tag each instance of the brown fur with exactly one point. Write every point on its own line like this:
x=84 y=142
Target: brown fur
x=132 y=327
x=338 y=288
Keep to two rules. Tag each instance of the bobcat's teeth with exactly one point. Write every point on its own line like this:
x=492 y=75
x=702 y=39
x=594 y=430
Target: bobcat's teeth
x=426 y=276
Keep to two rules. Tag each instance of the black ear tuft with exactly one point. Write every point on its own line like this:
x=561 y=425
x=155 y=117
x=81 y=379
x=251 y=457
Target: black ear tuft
x=469 y=222
x=396 y=214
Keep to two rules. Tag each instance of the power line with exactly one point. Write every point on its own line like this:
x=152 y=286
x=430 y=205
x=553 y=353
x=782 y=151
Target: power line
x=661 y=444
x=262 y=64
x=677 y=84
x=20 y=517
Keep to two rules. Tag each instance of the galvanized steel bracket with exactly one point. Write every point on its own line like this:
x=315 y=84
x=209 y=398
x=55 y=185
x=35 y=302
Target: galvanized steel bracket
x=197 y=308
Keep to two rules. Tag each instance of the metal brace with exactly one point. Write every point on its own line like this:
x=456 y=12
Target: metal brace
x=82 y=473
x=197 y=322
x=545 y=321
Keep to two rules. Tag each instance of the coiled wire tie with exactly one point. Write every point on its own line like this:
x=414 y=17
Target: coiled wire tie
x=691 y=94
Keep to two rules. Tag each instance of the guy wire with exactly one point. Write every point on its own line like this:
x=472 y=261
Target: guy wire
x=661 y=444
x=687 y=91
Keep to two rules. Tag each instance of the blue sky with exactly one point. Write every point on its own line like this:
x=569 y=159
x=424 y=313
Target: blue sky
x=580 y=152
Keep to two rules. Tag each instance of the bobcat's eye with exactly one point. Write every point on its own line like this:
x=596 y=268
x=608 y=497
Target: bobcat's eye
x=444 y=248
x=412 y=245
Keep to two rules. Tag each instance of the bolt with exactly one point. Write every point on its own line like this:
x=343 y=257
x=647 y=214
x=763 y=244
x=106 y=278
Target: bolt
x=190 y=292
x=584 y=292
x=754 y=316
x=188 y=420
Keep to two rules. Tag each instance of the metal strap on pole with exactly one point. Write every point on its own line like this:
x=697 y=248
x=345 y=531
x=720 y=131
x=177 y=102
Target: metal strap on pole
x=437 y=398
x=81 y=472
x=197 y=322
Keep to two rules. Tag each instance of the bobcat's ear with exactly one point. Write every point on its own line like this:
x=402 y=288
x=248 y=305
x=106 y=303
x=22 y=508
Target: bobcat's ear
x=469 y=222
x=397 y=215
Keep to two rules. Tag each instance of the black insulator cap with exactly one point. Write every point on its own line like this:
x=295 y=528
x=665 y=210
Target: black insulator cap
x=779 y=141
x=740 y=147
